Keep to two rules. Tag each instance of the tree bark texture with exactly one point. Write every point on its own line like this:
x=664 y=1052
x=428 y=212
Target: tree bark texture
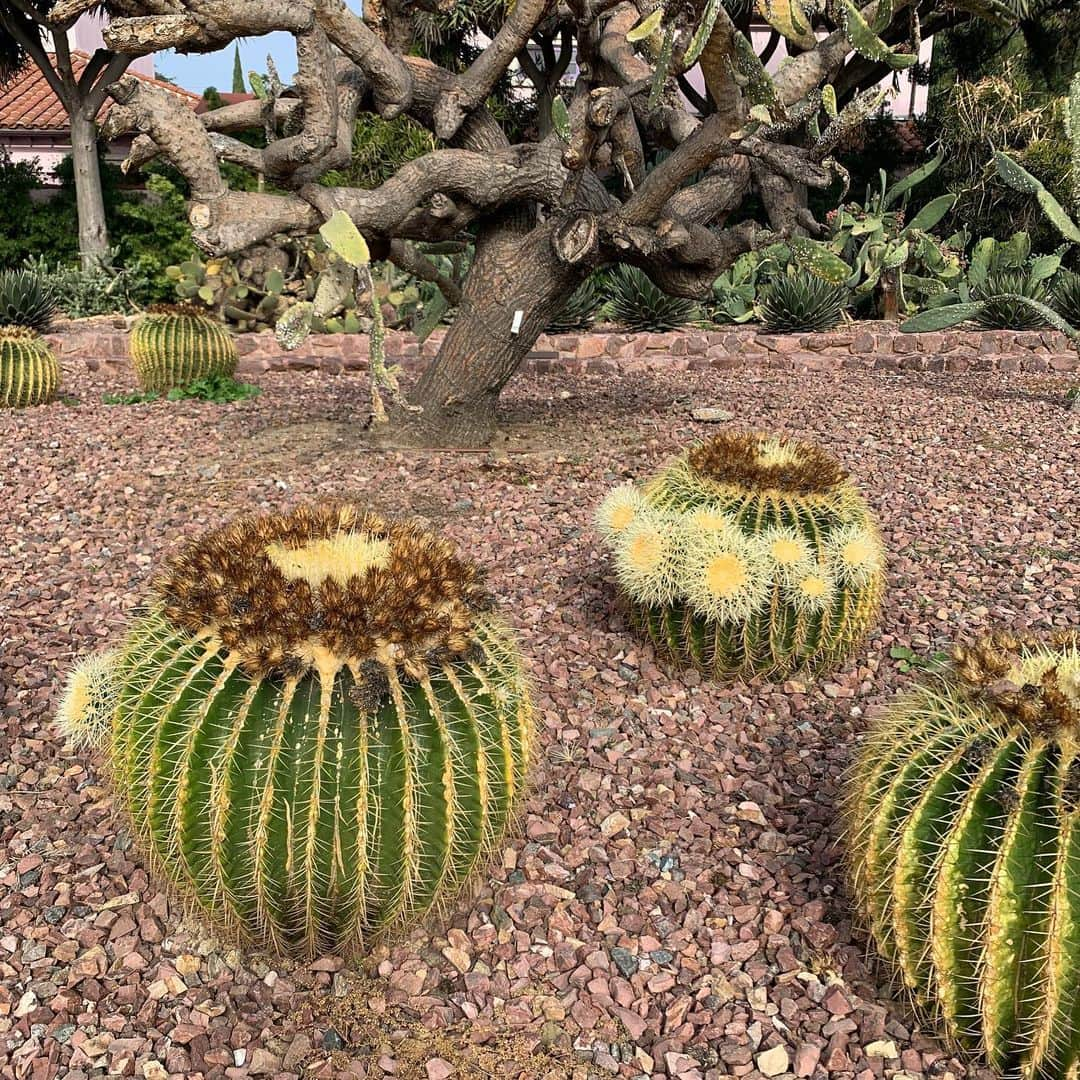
x=89 y=200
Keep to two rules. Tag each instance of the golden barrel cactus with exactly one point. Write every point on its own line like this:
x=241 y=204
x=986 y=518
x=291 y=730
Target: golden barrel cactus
x=175 y=345
x=29 y=373
x=964 y=839
x=317 y=726
x=748 y=554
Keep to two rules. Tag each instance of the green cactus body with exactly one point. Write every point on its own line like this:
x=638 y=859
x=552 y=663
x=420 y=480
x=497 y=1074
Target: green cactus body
x=29 y=373
x=964 y=842
x=339 y=744
x=748 y=554
x=174 y=346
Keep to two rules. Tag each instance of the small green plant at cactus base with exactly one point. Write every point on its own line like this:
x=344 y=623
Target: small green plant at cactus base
x=749 y=554
x=964 y=840
x=316 y=725
x=29 y=372
x=175 y=345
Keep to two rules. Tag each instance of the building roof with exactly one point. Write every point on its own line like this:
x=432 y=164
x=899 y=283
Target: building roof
x=28 y=103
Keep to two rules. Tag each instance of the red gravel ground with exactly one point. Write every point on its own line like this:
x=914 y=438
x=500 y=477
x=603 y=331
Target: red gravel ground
x=675 y=903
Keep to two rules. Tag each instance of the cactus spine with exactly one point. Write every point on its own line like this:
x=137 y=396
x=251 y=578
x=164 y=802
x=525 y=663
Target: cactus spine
x=964 y=838
x=748 y=554
x=174 y=346
x=317 y=726
x=29 y=373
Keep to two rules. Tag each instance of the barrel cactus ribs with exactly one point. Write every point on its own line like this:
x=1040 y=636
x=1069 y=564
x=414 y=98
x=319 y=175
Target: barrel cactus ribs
x=174 y=345
x=317 y=725
x=29 y=372
x=748 y=554
x=964 y=839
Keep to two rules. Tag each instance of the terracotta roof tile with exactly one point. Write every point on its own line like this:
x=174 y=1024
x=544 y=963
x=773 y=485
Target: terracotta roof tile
x=28 y=103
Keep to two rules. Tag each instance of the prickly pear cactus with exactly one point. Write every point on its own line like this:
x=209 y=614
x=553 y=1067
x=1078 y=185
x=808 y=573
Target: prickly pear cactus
x=317 y=726
x=748 y=554
x=964 y=838
x=175 y=345
x=29 y=373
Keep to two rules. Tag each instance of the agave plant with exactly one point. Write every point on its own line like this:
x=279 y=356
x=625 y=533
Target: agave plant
x=26 y=299
x=800 y=301
x=1003 y=295
x=636 y=303
x=579 y=312
x=1066 y=296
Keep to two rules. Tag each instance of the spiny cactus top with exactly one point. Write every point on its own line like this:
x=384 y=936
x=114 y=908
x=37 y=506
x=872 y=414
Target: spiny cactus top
x=317 y=725
x=176 y=344
x=749 y=553
x=29 y=373
x=964 y=838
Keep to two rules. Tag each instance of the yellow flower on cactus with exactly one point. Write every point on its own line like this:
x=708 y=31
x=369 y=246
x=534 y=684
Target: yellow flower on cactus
x=789 y=553
x=857 y=553
x=724 y=578
x=814 y=591
x=647 y=556
x=618 y=510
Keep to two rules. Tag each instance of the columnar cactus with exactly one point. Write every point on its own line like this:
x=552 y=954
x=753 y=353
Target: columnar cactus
x=748 y=554
x=175 y=345
x=29 y=373
x=964 y=837
x=317 y=726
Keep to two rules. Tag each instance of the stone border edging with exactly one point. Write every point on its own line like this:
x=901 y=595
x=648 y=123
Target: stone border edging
x=867 y=346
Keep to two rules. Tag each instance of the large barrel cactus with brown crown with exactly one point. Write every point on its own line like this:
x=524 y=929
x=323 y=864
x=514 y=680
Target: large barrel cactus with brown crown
x=174 y=345
x=317 y=725
x=29 y=372
x=964 y=839
x=748 y=554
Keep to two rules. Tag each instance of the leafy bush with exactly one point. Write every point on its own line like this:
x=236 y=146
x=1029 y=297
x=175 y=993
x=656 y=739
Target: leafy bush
x=101 y=290
x=637 y=304
x=219 y=389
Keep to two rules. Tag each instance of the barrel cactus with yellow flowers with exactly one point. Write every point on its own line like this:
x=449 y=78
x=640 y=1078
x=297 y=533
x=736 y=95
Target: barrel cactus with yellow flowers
x=175 y=345
x=317 y=725
x=29 y=373
x=748 y=554
x=964 y=840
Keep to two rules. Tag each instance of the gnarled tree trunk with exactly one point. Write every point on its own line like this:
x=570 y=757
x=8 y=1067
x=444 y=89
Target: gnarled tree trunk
x=459 y=391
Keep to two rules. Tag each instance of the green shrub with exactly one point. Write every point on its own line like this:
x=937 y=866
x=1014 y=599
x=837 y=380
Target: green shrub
x=748 y=554
x=635 y=303
x=964 y=840
x=316 y=725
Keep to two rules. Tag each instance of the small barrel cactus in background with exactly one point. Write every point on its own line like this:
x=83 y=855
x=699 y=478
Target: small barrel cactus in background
x=964 y=838
x=317 y=726
x=29 y=373
x=173 y=345
x=748 y=554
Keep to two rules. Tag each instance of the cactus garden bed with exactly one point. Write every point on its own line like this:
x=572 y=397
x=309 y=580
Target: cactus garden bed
x=673 y=901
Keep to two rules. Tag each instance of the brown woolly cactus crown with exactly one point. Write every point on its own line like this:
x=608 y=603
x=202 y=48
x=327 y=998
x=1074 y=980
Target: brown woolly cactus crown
x=325 y=585
x=182 y=308
x=757 y=461
x=15 y=331
x=1040 y=688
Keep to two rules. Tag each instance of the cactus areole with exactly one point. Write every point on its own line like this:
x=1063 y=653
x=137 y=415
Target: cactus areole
x=747 y=554
x=964 y=839
x=317 y=726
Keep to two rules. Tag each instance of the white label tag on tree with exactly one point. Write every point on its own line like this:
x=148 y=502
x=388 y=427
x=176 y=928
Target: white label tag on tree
x=515 y=326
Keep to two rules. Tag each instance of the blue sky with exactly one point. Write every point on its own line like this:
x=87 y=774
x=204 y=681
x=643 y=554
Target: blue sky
x=215 y=69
